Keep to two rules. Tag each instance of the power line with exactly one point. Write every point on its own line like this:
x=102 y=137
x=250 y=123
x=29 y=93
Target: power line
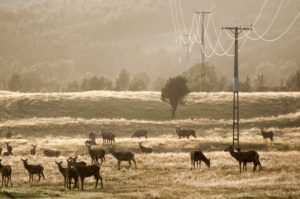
x=187 y=50
x=236 y=111
x=202 y=60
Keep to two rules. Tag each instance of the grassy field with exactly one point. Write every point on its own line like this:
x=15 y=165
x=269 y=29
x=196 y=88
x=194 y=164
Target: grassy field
x=62 y=121
x=163 y=174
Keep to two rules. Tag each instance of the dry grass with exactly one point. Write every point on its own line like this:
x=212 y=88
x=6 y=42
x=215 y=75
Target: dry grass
x=163 y=174
x=61 y=121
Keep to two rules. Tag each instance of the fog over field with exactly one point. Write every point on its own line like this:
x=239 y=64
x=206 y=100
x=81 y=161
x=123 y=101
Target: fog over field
x=69 y=39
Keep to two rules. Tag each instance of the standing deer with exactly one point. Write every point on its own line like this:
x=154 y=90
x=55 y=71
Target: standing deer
x=198 y=156
x=33 y=169
x=33 y=150
x=123 y=156
x=185 y=133
x=87 y=171
x=95 y=154
x=267 y=134
x=68 y=174
x=8 y=148
x=5 y=171
x=108 y=137
x=245 y=157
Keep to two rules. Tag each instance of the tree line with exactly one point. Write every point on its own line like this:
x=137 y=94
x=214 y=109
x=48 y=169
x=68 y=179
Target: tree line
x=198 y=79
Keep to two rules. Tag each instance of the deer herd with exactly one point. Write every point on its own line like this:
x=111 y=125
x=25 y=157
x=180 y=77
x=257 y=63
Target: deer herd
x=76 y=170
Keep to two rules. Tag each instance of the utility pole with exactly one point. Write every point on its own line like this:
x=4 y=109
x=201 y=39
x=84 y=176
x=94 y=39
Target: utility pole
x=187 y=50
x=202 y=59
x=236 y=111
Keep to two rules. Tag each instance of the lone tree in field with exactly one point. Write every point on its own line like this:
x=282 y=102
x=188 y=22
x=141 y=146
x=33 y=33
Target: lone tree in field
x=174 y=92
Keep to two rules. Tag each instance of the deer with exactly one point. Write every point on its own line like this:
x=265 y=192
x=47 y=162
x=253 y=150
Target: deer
x=108 y=137
x=33 y=169
x=92 y=137
x=74 y=160
x=123 y=156
x=33 y=150
x=8 y=148
x=145 y=149
x=95 y=154
x=87 y=171
x=68 y=174
x=5 y=171
x=185 y=133
x=51 y=153
x=140 y=133
x=198 y=156
x=267 y=134
x=245 y=157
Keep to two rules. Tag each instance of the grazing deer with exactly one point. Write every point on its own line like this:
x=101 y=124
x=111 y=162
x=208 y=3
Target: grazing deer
x=87 y=171
x=33 y=169
x=123 y=156
x=33 y=150
x=245 y=157
x=267 y=134
x=185 y=133
x=95 y=154
x=145 y=149
x=68 y=174
x=51 y=153
x=140 y=133
x=198 y=156
x=5 y=171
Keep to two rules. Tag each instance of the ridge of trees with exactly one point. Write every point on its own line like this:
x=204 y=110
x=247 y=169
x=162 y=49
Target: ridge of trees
x=31 y=81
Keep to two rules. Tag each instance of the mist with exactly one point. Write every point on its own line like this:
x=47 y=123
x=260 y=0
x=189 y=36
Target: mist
x=68 y=40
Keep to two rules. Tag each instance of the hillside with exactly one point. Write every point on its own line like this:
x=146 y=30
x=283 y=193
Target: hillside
x=77 y=113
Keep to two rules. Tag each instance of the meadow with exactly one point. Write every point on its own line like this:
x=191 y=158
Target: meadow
x=62 y=121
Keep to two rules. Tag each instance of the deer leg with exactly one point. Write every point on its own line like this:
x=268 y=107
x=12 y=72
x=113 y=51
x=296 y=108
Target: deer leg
x=240 y=163
x=10 y=181
x=134 y=163
x=69 y=182
x=65 y=182
x=101 y=181
x=192 y=164
x=97 y=179
x=200 y=164
x=6 y=181
x=82 y=179
x=129 y=161
x=75 y=183
x=119 y=162
x=254 y=167
x=39 y=177
x=245 y=166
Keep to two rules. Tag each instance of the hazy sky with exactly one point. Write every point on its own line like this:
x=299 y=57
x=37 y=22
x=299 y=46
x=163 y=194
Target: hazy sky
x=101 y=37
